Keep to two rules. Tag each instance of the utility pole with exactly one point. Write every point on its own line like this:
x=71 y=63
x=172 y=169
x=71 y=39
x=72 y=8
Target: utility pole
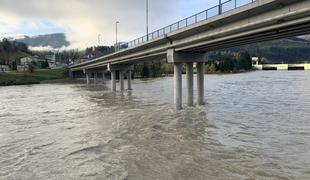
x=220 y=7
x=116 y=43
x=99 y=35
x=147 y=20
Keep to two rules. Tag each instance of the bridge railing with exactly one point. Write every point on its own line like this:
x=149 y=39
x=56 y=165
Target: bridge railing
x=223 y=7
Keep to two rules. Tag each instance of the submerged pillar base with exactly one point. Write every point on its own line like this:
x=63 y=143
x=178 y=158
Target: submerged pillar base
x=200 y=82
x=189 y=84
x=113 y=81
x=129 y=80
x=178 y=85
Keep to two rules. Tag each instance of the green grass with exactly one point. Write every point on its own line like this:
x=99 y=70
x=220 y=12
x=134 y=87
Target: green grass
x=20 y=78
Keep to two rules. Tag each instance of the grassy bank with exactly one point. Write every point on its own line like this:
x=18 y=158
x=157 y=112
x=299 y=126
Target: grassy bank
x=21 y=78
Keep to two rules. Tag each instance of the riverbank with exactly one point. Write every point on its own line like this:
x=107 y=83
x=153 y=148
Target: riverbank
x=37 y=77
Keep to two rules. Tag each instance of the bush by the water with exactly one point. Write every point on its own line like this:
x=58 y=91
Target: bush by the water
x=21 y=78
x=219 y=62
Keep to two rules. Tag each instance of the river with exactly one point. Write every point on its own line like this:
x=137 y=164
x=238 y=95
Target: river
x=254 y=126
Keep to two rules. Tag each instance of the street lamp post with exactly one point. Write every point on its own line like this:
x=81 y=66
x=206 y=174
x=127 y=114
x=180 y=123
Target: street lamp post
x=116 y=43
x=220 y=7
x=99 y=35
x=147 y=20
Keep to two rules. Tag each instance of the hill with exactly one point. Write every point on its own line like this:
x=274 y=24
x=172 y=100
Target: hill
x=56 y=40
x=289 y=50
x=12 y=51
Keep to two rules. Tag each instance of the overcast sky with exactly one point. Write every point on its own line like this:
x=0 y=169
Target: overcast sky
x=83 y=20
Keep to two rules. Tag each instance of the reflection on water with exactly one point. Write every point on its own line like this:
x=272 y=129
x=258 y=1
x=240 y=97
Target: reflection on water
x=254 y=126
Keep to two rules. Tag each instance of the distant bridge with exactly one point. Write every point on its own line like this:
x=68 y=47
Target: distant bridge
x=282 y=67
x=232 y=23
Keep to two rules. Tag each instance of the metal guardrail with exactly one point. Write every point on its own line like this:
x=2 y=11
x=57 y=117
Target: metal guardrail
x=224 y=7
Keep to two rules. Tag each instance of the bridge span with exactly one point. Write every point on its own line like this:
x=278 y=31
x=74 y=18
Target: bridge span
x=189 y=40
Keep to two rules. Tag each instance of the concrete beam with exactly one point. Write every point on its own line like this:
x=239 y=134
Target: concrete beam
x=184 y=57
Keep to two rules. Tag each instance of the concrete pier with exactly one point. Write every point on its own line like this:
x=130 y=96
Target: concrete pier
x=113 y=81
x=103 y=77
x=95 y=78
x=123 y=69
x=87 y=78
x=121 y=80
x=177 y=58
x=189 y=84
x=129 y=80
x=178 y=85
x=200 y=82
x=71 y=74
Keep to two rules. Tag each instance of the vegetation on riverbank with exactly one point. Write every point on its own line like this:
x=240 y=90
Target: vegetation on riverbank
x=11 y=52
x=23 y=78
x=229 y=62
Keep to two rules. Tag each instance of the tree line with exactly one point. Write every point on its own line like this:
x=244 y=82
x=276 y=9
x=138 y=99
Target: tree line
x=218 y=62
x=11 y=51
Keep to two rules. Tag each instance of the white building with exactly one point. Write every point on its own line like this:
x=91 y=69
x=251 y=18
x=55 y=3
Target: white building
x=4 y=68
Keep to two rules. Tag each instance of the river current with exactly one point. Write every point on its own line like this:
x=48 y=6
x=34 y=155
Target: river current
x=254 y=126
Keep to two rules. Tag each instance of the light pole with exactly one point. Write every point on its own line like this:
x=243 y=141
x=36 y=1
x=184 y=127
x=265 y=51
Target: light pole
x=116 y=43
x=220 y=7
x=99 y=35
x=147 y=20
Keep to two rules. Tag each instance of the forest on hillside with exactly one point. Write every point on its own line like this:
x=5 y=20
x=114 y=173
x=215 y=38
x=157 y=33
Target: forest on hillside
x=289 y=50
x=12 y=51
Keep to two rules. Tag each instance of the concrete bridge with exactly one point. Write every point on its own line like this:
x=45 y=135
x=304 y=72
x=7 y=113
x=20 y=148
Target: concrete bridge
x=232 y=23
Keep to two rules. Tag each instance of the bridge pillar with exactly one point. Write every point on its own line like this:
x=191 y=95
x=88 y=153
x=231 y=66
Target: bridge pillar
x=124 y=69
x=121 y=80
x=103 y=77
x=200 y=82
x=71 y=74
x=178 y=85
x=177 y=58
x=95 y=78
x=87 y=78
x=190 y=84
x=113 y=80
x=129 y=80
